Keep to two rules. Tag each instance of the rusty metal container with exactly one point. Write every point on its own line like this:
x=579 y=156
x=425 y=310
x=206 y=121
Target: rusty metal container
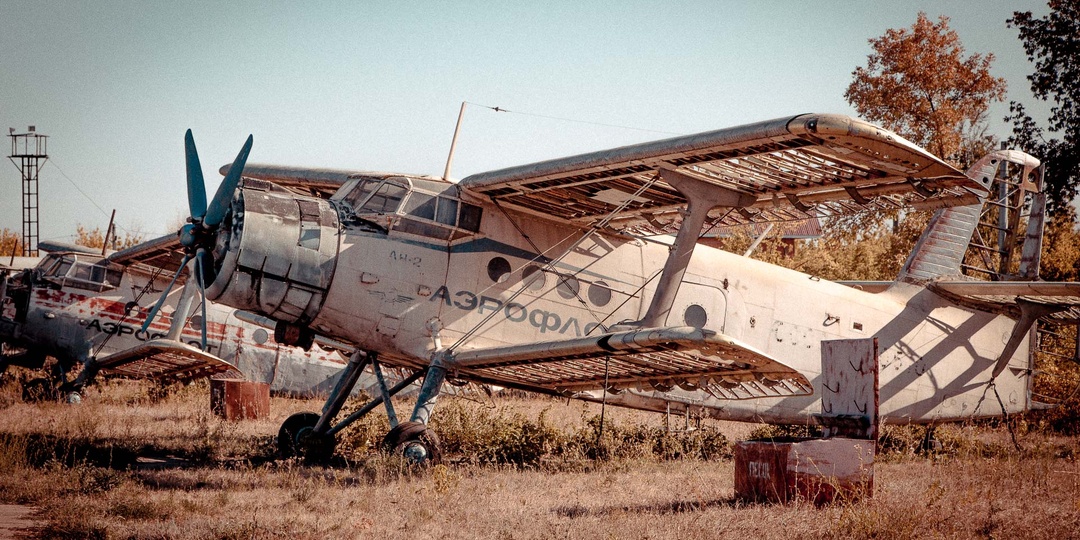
x=814 y=470
x=237 y=399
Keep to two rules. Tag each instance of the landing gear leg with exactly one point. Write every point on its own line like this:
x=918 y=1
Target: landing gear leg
x=413 y=439
x=307 y=434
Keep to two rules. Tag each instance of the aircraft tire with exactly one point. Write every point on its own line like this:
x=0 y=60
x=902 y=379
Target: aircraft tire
x=415 y=441
x=288 y=439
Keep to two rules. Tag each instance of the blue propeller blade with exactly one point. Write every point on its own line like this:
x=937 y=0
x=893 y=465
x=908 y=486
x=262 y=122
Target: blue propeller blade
x=161 y=300
x=220 y=204
x=200 y=272
x=196 y=188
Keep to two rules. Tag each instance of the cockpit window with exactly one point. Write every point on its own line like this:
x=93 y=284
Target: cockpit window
x=438 y=216
x=376 y=197
x=412 y=205
x=93 y=275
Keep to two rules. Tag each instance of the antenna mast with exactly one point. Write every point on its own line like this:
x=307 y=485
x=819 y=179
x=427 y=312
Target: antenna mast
x=28 y=153
x=453 y=143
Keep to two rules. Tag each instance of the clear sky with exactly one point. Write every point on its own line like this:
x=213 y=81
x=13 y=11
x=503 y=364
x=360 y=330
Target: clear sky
x=377 y=86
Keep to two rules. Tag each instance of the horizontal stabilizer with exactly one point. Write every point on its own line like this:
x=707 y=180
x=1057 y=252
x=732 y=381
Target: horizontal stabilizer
x=1003 y=296
x=163 y=359
x=655 y=358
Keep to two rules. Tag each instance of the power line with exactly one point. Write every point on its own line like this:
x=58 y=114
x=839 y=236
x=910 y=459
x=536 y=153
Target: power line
x=84 y=194
x=576 y=121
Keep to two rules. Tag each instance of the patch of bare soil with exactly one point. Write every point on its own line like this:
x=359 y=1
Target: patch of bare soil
x=18 y=521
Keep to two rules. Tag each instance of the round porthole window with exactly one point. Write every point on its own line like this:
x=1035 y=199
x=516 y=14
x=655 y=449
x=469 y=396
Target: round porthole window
x=260 y=336
x=498 y=269
x=534 y=277
x=695 y=316
x=568 y=286
x=599 y=293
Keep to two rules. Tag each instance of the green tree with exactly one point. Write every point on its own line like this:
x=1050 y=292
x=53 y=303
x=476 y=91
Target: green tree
x=919 y=83
x=1052 y=43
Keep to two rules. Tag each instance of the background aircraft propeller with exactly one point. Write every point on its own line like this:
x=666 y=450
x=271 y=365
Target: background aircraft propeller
x=199 y=235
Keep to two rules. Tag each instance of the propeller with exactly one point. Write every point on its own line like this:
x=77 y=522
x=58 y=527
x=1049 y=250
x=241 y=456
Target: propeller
x=199 y=235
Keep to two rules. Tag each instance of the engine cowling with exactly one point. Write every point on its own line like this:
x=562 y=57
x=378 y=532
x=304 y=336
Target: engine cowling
x=276 y=253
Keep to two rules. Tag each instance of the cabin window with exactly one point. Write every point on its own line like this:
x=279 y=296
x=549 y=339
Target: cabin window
x=446 y=211
x=534 y=277
x=469 y=217
x=498 y=269
x=568 y=286
x=695 y=316
x=599 y=293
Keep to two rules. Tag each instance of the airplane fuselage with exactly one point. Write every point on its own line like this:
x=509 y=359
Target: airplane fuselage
x=406 y=282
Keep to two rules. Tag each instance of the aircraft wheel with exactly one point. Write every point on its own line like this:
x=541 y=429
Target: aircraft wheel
x=73 y=398
x=415 y=441
x=295 y=438
x=40 y=389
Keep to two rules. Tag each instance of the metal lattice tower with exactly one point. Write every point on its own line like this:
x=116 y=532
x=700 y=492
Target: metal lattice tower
x=28 y=153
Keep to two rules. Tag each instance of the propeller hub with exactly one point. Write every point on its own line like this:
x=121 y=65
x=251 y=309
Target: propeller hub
x=188 y=236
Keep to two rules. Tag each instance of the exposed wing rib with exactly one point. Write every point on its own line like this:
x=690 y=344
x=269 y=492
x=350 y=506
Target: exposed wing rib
x=163 y=359
x=794 y=168
x=1002 y=296
x=164 y=252
x=655 y=357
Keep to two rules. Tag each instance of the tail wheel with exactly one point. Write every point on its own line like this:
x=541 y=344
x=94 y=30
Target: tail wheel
x=415 y=441
x=296 y=438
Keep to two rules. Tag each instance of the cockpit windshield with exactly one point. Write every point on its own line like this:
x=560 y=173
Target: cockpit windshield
x=376 y=196
x=415 y=206
x=78 y=271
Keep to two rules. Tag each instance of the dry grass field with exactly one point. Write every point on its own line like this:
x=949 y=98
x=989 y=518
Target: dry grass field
x=126 y=464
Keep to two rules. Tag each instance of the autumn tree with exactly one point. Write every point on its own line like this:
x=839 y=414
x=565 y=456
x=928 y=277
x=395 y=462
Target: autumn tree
x=95 y=238
x=1052 y=43
x=9 y=244
x=919 y=83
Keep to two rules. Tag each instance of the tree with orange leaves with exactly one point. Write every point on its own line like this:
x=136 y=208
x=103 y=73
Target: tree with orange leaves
x=919 y=83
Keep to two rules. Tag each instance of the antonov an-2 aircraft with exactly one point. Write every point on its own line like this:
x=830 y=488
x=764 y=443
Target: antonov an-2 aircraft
x=76 y=306
x=562 y=277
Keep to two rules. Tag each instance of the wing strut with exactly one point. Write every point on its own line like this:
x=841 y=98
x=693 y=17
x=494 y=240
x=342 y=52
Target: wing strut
x=1029 y=313
x=701 y=199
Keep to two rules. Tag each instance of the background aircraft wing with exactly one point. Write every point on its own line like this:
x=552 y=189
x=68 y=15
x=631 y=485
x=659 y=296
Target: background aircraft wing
x=793 y=168
x=649 y=358
x=164 y=252
x=163 y=359
x=1063 y=298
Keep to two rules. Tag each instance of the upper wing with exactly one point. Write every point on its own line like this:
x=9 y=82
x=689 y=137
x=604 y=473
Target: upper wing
x=793 y=168
x=1063 y=298
x=655 y=357
x=310 y=182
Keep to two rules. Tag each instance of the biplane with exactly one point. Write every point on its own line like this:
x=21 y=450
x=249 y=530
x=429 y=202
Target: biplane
x=583 y=277
x=86 y=311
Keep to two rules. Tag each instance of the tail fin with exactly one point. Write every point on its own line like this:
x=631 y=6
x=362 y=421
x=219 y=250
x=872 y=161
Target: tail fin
x=942 y=247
